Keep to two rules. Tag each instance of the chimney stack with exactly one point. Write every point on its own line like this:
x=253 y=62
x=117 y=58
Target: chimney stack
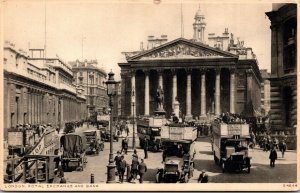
x=141 y=46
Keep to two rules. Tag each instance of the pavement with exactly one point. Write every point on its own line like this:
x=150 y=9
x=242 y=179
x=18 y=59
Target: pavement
x=285 y=170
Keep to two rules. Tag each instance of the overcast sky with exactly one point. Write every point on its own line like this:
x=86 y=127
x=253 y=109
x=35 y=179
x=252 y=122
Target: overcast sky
x=110 y=27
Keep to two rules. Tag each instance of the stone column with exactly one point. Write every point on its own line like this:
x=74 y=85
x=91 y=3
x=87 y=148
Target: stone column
x=160 y=79
x=174 y=90
x=29 y=105
x=123 y=90
x=147 y=93
x=232 y=90
x=21 y=106
x=32 y=107
x=39 y=107
x=188 y=95
x=217 y=92
x=133 y=93
x=203 y=94
x=249 y=85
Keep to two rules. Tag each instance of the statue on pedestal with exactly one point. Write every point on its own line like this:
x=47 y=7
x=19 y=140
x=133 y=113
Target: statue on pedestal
x=159 y=99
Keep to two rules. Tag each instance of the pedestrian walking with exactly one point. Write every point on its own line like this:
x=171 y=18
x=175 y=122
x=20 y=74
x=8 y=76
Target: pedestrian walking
x=203 y=177
x=135 y=153
x=134 y=168
x=125 y=145
x=273 y=156
x=146 y=145
x=118 y=161
x=282 y=147
x=127 y=129
x=57 y=130
x=142 y=170
x=122 y=167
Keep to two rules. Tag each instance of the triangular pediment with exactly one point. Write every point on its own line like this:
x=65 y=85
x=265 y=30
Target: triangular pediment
x=181 y=49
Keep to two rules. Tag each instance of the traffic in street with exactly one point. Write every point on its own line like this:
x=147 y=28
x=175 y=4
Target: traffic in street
x=261 y=172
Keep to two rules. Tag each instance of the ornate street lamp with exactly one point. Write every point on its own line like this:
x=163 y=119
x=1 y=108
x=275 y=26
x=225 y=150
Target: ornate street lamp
x=111 y=92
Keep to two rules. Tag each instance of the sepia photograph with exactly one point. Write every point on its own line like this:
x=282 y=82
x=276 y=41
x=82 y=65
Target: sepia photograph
x=149 y=95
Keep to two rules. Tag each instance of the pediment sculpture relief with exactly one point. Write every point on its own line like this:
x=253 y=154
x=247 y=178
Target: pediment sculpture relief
x=181 y=50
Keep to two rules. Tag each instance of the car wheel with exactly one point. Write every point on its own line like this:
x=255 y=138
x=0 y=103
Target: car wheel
x=215 y=159
x=157 y=177
x=248 y=169
x=155 y=148
x=223 y=167
x=186 y=178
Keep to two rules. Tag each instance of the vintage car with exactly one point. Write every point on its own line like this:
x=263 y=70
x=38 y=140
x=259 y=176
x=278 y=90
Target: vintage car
x=178 y=162
x=93 y=141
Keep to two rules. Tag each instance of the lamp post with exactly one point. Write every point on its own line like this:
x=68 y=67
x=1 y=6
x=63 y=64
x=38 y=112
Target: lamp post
x=111 y=92
x=133 y=124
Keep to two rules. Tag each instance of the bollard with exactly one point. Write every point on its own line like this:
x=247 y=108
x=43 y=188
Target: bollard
x=92 y=178
x=128 y=173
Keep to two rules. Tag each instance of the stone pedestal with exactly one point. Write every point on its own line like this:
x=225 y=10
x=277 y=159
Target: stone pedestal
x=176 y=108
x=203 y=118
x=160 y=113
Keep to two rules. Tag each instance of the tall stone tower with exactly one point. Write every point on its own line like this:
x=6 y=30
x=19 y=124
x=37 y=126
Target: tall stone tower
x=199 y=26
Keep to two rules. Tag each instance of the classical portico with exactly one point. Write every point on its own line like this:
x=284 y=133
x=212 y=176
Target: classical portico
x=201 y=78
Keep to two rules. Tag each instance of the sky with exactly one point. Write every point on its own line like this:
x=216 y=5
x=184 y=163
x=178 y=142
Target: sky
x=103 y=29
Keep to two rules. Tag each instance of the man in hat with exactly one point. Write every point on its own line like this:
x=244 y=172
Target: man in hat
x=118 y=161
x=134 y=167
x=273 y=156
x=203 y=178
x=125 y=145
x=146 y=147
x=142 y=170
x=122 y=167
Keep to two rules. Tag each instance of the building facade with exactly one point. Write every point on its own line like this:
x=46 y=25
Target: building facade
x=90 y=80
x=265 y=93
x=283 y=78
x=38 y=90
x=205 y=80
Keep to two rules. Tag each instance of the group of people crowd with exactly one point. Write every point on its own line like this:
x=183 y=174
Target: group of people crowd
x=36 y=128
x=31 y=133
x=230 y=118
x=137 y=168
x=71 y=126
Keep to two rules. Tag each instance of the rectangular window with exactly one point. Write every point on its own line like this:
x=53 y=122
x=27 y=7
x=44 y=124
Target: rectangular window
x=289 y=49
x=91 y=91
